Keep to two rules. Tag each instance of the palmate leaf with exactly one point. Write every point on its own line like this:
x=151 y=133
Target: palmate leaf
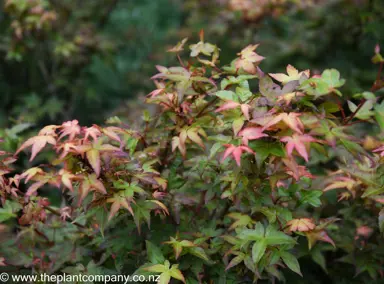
x=293 y=75
x=291 y=119
x=297 y=142
x=301 y=225
x=327 y=83
x=166 y=272
x=37 y=143
x=236 y=152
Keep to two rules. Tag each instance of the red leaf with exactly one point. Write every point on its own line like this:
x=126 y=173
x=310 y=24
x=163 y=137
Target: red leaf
x=251 y=133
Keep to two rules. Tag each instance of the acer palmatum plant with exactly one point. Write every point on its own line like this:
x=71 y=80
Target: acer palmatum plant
x=238 y=175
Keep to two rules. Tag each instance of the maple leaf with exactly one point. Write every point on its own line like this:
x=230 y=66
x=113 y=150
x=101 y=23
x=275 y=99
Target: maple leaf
x=71 y=128
x=65 y=213
x=251 y=133
x=290 y=119
x=111 y=132
x=242 y=220
x=296 y=171
x=49 y=130
x=297 y=142
x=90 y=183
x=178 y=47
x=67 y=148
x=249 y=59
x=288 y=97
x=343 y=182
x=231 y=105
x=301 y=225
x=30 y=173
x=318 y=235
x=179 y=245
x=37 y=143
x=293 y=75
x=120 y=200
x=236 y=152
x=191 y=133
x=92 y=152
x=66 y=178
x=202 y=47
x=93 y=131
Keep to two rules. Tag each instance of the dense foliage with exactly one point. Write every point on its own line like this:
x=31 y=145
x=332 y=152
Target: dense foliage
x=237 y=176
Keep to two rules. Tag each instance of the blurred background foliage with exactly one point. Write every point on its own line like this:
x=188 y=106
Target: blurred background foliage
x=88 y=60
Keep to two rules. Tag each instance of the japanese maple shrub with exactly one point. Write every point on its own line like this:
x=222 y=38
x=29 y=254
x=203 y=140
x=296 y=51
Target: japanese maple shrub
x=236 y=176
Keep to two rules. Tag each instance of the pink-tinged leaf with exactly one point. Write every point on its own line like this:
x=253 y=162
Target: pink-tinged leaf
x=237 y=155
x=111 y=133
x=380 y=149
x=71 y=128
x=291 y=120
x=93 y=157
x=377 y=49
x=251 y=133
x=37 y=143
x=318 y=235
x=293 y=75
x=245 y=111
x=49 y=130
x=301 y=225
x=297 y=142
x=34 y=187
x=364 y=231
x=228 y=151
x=342 y=182
x=114 y=209
x=227 y=105
x=236 y=152
x=155 y=93
x=161 y=205
x=30 y=173
x=93 y=131
x=249 y=59
x=67 y=148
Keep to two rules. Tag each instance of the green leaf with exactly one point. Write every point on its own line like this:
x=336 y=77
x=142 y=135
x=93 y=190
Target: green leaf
x=275 y=237
x=199 y=252
x=364 y=112
x=227 y=96
x=332 y=78
x=252 y=235
x=9 y=210
x=291 y=261
x=258 y=250
x=311 y=197
x=154 y=253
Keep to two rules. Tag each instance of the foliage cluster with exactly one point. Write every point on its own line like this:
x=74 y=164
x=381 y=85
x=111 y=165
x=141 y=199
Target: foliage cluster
x=241 y=176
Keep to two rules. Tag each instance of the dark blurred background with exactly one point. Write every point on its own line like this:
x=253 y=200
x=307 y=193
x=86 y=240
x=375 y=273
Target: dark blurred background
x=88 y=60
